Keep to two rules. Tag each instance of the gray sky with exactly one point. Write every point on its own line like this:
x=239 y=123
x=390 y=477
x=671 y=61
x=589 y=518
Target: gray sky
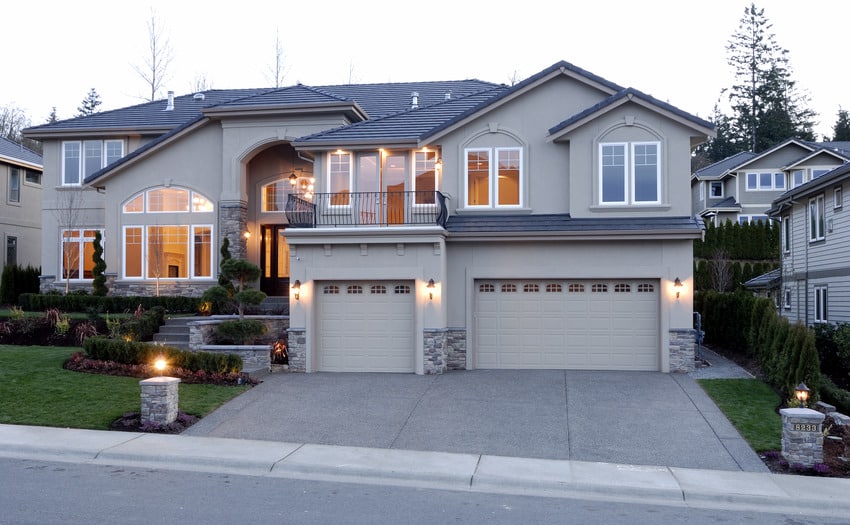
x=674 y=50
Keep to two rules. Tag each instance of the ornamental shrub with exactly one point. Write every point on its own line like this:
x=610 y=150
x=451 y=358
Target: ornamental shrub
x=136 y=353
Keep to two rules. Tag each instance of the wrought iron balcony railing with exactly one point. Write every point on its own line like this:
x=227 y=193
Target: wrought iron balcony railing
x=392 y=208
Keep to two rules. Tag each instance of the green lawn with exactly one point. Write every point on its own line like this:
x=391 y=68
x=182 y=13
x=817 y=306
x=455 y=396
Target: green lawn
x=36 y=390
x=751 y=406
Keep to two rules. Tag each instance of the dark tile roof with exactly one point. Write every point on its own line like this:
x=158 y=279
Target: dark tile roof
x=630 y=92
x=840 y=147
x=764 y=281
x=722 y=166
x=728 y=202
x=815 y=185
x=554 y=223
x=12 y=150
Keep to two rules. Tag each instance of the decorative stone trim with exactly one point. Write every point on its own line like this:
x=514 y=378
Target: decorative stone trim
x=802 y=436
x=456 y=348
x=254 y=357
x=681 y=352
x=233 y=219
x=159 y=400
x=434 y=349
x=297 y=349
x=187 y=288
x=202 y=332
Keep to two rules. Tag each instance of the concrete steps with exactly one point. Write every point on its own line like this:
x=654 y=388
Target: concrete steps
x=175 y=332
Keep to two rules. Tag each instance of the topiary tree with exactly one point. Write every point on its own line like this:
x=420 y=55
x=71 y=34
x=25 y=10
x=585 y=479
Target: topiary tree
x=240 y=274
x=98 y=284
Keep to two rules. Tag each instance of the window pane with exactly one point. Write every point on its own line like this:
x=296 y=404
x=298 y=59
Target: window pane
x=168 y=199
x=425 y=176
x=716 y=189
x=14 y=185
x=646 y=173
x=274 y=195
x=114 y=151
x=339 y=176
x=133 y=252
x=614 y=173
x=71 y=163
x=203 y=251
x=779 y=181
x=752 y=181
x=136 y=204
x=201 y=203
x=508 y=178
x=88 y=255
x=478 y=178
x=33 y=177
x=168 y=251
x=93 y=156
x=797 y=176
x=71 y=259
x=11 y=250
x=765 y=181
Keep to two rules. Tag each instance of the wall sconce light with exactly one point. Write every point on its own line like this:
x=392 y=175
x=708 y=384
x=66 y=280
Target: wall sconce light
x=430 y=286
x=246 y=234
x=293 y=179
x=296 y=289
x=677 y=285
x=439 y=165
x=802 y=394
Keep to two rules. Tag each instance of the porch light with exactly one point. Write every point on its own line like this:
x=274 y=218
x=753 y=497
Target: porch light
x=159 y=364
x=802 y=394
x=246 y=234
x=430 y=286
x=296 y=289
x=293 y=179
x=677 y=285
x=439 y=164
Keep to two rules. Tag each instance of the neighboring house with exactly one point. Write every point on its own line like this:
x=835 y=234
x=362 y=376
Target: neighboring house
x=20 y=212
x=742 y=187
x=815 y=280
x=767 y=285
x=415 y=227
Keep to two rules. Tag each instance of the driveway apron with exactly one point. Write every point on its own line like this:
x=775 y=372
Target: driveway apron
x=641 y=418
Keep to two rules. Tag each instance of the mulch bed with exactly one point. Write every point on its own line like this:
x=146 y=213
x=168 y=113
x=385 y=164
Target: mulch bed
x=132 y=422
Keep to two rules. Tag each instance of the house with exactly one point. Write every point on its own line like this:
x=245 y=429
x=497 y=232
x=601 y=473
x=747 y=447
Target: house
x=414 y=227
x=742 y=187
x=815 y=233
x=20 y=212
x=767 y=285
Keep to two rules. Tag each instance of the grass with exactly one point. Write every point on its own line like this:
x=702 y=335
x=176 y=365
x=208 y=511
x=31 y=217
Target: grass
x=751 y=406
x=36 y=390
x=6 y=313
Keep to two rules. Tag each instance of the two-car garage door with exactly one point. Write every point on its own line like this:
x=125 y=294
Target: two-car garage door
x=571 y=324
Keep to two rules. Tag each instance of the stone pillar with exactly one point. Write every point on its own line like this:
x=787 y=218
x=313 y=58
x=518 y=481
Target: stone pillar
x=159 y=400
x=434 y=349
x=233 y=219
x=682 y=343
x=296 y=348
x=802 y=436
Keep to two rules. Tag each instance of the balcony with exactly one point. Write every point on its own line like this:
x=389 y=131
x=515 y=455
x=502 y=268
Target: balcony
x=375 y=209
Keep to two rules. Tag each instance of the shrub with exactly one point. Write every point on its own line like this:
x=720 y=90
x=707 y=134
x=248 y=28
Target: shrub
x=834 y=395
x=143 y=327
x=16 y=281
x=113 y=303
x=136 y=353
x=241 y=331
x=99 y=271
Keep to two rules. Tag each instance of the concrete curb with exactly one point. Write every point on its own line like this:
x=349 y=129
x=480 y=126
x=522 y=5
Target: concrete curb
x=760 y=492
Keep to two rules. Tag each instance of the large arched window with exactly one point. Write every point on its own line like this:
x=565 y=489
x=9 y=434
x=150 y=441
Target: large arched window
x=168 y=234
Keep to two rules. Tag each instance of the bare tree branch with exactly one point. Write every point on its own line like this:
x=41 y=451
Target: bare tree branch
x=67 y=213
x=277 y=69
x=154 y=71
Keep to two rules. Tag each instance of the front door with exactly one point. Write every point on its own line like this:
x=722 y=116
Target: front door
x=393 y=176
x=274 y=261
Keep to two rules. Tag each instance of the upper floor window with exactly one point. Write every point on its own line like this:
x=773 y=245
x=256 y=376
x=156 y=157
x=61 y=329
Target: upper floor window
x=14 y=188
x=630 y=173
x=802 y=176
x=425 y=176
x=274 y=195
x=786 y=233
x=747 y=219
x=82 y=158
x=837 y=198
x=765 y=181
x=494 y=177
x=816 y=219
x=339 y=178
x=165 y=200
x=33 y=177
x=715 y=189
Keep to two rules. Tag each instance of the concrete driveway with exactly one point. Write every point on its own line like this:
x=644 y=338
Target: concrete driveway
x=641 y=418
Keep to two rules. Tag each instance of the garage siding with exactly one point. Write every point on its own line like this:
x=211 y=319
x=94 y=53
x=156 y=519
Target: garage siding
x=570 y=324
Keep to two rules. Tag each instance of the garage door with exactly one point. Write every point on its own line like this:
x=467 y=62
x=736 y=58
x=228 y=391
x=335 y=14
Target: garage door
x=586 y=324
x=365 y=327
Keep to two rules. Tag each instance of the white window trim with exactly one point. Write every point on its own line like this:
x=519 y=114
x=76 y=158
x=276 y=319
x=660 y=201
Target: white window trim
x=786 y=299
x=124 y=252
x=821 y=302
x=414 y=204
x=492 y=179
x=79 y=162
x=759 y=186
x=82 y=243
x=787 y=234
x=146 y=206
x=719 y=183
x=702 y=190
x=819 y=232
x=331 y=193
x=629 y=181
x=81 y=159
x=190 y=261
x=18 y=172
x=837 y=198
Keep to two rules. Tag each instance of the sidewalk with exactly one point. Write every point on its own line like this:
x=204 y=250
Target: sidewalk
x=761 y=492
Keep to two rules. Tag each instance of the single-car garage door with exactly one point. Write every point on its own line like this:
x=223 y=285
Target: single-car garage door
x=365 y=326
x=571 y=324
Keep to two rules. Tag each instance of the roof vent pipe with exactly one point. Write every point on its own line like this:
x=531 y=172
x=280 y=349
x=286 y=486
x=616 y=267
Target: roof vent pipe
x=170 y=106
x=448 y=95
x=415 y=102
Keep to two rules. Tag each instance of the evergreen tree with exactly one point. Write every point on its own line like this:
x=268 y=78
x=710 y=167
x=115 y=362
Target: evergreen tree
x=841 y=130
x=52 y=117
x=99 y=270
x=766 y=105
x=89 y=104
x=724 y=144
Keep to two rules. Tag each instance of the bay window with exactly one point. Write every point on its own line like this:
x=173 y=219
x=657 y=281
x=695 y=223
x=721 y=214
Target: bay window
x=629 y=173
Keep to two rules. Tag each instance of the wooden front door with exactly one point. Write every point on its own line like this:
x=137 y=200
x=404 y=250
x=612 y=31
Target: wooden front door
x=274 y=261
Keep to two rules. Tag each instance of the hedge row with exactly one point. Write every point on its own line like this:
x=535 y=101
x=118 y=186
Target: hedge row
x=757 y=241
x=17 y=280
x=739 y=273
x=136 y=353
x=89 y=303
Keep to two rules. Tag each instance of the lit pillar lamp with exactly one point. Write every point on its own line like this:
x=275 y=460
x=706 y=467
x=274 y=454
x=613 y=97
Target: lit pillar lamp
x=802 y=394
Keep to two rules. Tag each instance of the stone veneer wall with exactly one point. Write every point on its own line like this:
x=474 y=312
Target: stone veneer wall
x=456 y=348
x=682 y=344
x=233 y=219
x=297 y=349
x=444 y=349
x=202 y=332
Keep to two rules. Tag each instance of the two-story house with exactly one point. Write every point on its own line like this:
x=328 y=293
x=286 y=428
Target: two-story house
x=742 y=187
x=815 y=233
x=20 y=212
x=415 y=227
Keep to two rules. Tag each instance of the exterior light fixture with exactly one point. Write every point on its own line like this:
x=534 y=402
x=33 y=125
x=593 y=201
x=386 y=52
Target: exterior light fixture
x=293 y=179
x=159 y=364
x=296 y=289
x=677 y=285
x=802 y=394
x=430 y=286
x=439 y=164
